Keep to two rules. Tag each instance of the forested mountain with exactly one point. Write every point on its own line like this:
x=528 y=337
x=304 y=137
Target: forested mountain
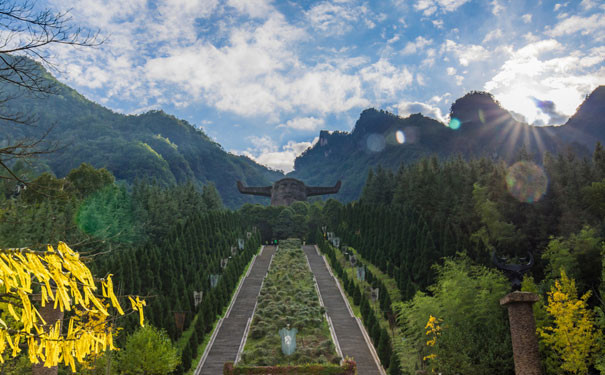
x=153 y=145
x=481 y=128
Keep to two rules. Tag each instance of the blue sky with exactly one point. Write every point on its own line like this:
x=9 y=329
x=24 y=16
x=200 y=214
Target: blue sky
x=262 y=77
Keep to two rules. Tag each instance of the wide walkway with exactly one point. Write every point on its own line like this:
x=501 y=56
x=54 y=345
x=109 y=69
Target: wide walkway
x=347 y=330
x=229 y=336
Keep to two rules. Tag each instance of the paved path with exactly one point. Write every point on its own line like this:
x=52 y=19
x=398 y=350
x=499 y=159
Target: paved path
x=347 y=330
x=229 y=336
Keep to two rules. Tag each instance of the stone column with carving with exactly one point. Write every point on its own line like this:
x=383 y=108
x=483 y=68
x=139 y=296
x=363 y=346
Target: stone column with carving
x=50 y=316
x=523 y=331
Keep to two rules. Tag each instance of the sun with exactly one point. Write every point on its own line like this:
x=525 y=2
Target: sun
x=523 y=99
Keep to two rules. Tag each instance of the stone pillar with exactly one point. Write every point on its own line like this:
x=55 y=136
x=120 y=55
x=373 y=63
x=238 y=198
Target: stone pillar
x=523 y=331
x=50 y=316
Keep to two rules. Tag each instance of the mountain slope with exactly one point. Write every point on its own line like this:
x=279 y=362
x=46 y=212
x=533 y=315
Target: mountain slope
x=484 y=128
x=153 y=145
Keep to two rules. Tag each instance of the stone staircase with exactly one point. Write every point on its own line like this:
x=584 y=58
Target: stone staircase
x=226 y=344
x=349 y=334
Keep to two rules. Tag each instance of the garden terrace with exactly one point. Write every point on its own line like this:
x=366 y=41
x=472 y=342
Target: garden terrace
x=289 y=297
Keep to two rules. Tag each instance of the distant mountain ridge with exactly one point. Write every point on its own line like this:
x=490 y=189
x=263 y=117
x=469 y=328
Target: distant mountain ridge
x=485 y=129
x=153 y=146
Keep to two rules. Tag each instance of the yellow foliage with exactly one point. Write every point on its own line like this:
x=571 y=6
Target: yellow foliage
x=66 y=283
x=433 y=329
x=573 y=336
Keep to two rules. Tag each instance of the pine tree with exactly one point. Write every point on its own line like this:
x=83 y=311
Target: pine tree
x=394 y=365
x=384 y=347
x=178 y=370
x=356 y=296
x=186 y=357
x=364 y=306
x=193 y=342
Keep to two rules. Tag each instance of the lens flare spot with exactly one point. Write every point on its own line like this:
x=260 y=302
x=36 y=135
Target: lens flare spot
x=106 y=214
x=526 y=181
x=481 y=116
x=400 y=136
x=375 y=142
x=454 y=123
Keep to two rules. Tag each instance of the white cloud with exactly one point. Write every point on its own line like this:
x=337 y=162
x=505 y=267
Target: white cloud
x=324 y=90
x=242 y=76
x=262 y=144
x=385 y=78
x=93 y=77
x=526 y=18
x=559 y=6
x=451 y=71
x=332 y=18
x=439 y=98
x=393 y=39
x=497 y=8
x=548 y=71
x=418 y=44
x=405 y=109
x=429 y=7
x=588 y=4
x=253 y=8
x=530 y=38
x=586 y=25
x=437 y=23
x=304 y=123
x=248 y=68
x=267 y=153
x=466 y=53
x=429 y=61
x=493 y=35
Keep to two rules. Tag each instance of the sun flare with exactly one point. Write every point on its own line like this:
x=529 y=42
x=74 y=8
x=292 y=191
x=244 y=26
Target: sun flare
x=524 y=100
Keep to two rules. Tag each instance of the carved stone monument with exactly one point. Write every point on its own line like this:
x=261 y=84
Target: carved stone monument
x=287 y=191
x=523 y=331
x=514 y=272
x=521 y=317
x=50 y=315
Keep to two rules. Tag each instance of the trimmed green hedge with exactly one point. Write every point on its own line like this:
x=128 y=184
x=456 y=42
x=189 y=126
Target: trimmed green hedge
x=349 y=367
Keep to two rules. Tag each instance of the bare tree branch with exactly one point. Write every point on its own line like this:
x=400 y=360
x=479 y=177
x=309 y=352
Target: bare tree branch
x=26 y=35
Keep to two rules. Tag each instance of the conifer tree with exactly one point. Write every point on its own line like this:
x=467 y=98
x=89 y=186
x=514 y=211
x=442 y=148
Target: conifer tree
x=384 y=347
x=186 y=357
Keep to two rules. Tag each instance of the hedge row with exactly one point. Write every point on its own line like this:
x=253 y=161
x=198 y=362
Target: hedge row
x=349 y=367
